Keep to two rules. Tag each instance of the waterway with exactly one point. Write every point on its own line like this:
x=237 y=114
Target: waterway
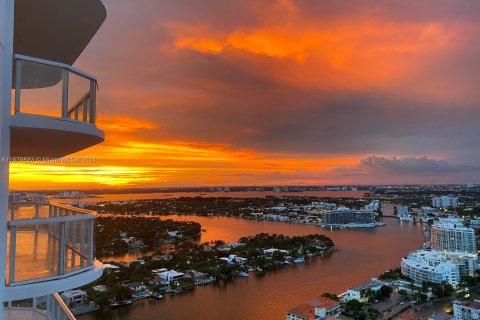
x=361 y=254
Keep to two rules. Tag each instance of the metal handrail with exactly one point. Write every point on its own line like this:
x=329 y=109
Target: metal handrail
x=37 y=221
x=63 y=307
x=56 y=64
x=76 y=209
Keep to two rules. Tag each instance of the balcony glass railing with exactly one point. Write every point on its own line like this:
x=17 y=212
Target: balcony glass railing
x=50 y=307
x=55 y=89
x=43 y=248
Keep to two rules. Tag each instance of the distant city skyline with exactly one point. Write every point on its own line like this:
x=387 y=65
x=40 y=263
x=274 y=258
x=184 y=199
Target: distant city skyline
x=209 y=93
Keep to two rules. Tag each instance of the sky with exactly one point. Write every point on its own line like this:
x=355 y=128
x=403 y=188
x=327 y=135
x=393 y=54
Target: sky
x=280 y=92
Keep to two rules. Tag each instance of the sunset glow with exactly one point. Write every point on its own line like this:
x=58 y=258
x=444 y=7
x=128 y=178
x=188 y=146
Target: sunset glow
x=279 y=92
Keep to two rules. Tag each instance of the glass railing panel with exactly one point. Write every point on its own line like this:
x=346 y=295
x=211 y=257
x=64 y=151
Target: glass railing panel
x=27 y=210
x=25 y=303
x=40 y=88
x=54 y=89
x=32 y=254
x=40 y=247
x=79 y=98
x=78 y=245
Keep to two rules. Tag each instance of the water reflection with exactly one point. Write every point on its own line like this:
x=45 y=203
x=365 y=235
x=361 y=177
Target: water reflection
x=361 y=254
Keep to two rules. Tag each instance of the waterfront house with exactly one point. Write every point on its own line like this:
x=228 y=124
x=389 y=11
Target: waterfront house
x=175 y=234
x=234 y=259
x=135 y=286
x=100 y=288
x=357 y=291
x=271 y=251
x=170 y=276
x=154 y=280
x=74 y=296
x=231 y=245
x=319 y=309
x=199 y=278
x=165 y=257
x=111 y=268
x=139 y=290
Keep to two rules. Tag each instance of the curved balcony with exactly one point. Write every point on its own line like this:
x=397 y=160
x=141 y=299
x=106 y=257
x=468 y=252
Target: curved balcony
x=50 y=307
x=57 y=30
x=54 y=109
x=52 y=254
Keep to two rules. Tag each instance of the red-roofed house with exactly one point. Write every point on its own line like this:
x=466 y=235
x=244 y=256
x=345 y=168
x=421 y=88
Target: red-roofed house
x=315 y=310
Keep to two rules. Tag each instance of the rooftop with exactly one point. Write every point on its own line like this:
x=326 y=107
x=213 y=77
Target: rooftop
x=440 y=316
x=475 y=304
x=369 y=284
x=305 y=311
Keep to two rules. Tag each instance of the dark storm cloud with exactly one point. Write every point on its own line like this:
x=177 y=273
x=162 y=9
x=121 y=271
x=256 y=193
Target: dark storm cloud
x=232 y=94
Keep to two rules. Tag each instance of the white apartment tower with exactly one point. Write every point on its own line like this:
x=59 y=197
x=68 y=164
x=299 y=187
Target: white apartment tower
x=444 y=202
x=51 y=113
x=452 y=235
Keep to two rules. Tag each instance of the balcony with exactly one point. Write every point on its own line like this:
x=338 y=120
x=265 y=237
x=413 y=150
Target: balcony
x=41 y=308
x=54 y=109
x=57 y=30
x=50 y=252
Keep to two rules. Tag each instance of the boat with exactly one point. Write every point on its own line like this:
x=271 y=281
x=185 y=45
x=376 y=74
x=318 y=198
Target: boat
x=179 y=290
x=243 y=274
x=157 y=295
x=120 y=304
x=299 y=260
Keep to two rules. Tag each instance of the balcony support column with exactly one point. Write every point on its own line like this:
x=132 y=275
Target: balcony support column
x=13 y=248
x=62 y=243
x=6 y=70
x=65 y=94
x=93 y=100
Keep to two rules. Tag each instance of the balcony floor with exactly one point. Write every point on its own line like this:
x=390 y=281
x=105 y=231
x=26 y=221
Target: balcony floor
x=22 y=314
x=35 y=135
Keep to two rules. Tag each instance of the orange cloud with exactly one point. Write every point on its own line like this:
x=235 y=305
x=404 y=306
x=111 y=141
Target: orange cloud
x=124 y=123
x=345 y=53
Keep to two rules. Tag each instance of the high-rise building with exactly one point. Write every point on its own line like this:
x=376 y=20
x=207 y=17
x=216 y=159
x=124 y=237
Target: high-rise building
x=451 y=235
x=39 y=42
x=435 y=266
x=444 y=202
x=341 y=218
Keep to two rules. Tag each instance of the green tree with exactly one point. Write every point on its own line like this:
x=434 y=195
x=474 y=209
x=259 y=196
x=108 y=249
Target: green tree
x=386 y=291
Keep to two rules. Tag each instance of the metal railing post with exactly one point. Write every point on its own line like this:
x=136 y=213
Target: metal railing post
x=12 y=211
x=37 y=214
x=65 y=94
x=93 y=95
x=50 y=212
x=13 y=245
x=85 y=110
x=92 y=243
x=61 y=258
x=18 y=85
